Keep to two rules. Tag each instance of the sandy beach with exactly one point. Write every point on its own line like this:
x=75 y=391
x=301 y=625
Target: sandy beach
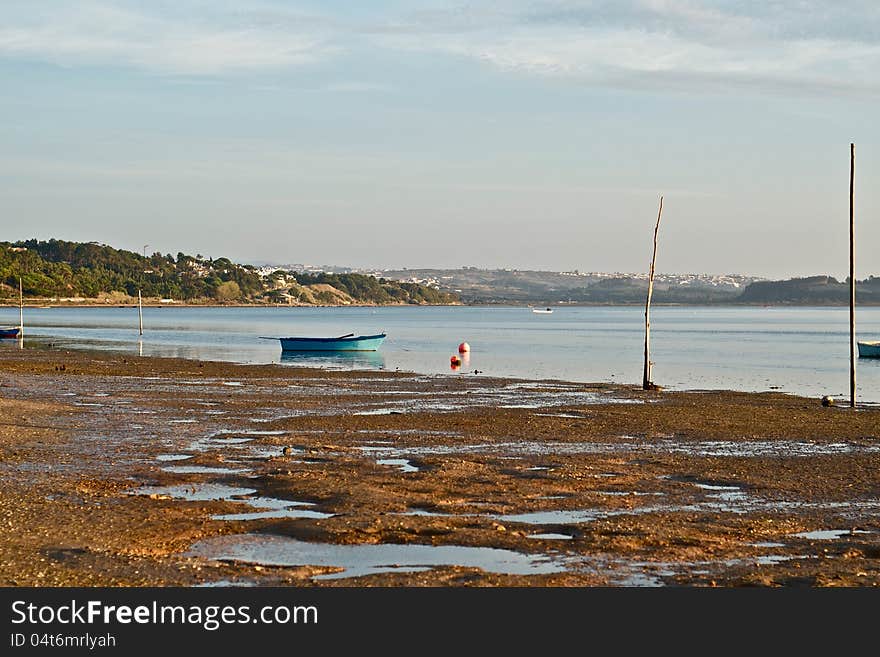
x=120 y=471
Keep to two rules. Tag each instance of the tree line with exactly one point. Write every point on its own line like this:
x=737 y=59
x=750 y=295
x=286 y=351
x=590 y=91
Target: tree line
x=61 y=269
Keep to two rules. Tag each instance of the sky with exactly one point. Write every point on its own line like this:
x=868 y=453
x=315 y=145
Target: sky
x=512 y=134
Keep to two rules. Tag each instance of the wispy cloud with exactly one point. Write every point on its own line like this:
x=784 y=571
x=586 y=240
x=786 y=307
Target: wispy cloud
x=167 y=41
x=791 y=45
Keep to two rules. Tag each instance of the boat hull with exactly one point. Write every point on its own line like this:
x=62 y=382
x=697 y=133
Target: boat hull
x=348 y=343
x=9 y=332
x=869 y=349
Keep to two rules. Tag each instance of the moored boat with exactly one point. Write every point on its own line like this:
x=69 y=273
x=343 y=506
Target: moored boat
x=9 y=332
x=350 y=342
x=544 y=311
x=869 y=349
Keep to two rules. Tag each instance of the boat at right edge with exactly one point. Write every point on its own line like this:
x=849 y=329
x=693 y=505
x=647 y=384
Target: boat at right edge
x=869 y=349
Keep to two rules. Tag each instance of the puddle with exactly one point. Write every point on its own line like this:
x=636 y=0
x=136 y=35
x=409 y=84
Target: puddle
x=231 y=383
x=224 y=583
x=829 y=534
x=554 y=517
x=380 y=411
x=367 y=559
x=623 y=493
x=196 y=492
x=201 y=469
x=254 y=452
x=715 y=448
x=725 y=493
x=570 y=415
x=767 y=544
x=639 y=580
x=173 y=457
x=716 y=487
x=182 y=421
x=403 y=464
x=551 y=537
x=274 y=513
x=415 y=511
x=269 y=502
x=771 y=559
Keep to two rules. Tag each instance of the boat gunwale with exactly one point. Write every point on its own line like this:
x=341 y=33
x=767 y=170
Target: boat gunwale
x=354 y=338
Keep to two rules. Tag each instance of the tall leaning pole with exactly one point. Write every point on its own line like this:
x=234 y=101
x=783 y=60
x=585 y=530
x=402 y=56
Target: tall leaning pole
x=647 y=384
x=852 y=279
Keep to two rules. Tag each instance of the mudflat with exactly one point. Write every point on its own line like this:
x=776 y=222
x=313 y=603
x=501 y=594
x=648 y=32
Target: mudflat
x=118 y=471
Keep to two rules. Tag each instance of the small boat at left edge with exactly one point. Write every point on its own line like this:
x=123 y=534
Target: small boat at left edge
x=8 y=332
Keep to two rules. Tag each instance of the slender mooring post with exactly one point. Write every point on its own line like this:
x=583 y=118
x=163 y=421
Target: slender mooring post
x=852 y=279
x=140 y=315
x=20 y=309
x=646 y=378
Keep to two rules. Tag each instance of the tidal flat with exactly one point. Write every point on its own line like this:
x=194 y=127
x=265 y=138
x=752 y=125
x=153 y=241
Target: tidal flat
x=118 y=470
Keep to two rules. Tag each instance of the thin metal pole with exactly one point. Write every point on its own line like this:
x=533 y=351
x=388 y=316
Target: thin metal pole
x=20 y=309
x=646 y=377
x=852 y=279
x=140 y=315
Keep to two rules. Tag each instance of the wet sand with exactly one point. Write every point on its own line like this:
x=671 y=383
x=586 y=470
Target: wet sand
x=118 y=471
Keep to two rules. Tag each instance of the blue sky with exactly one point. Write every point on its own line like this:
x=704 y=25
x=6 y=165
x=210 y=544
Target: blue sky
x=516 y=134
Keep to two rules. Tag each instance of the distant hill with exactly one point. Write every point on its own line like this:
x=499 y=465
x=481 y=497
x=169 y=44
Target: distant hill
x=93 y=272
x=502 y=286
x=60 y=270
x=813 y=290
x=541 y=288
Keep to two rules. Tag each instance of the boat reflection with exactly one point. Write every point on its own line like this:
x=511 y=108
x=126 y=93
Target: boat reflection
x=334 y=359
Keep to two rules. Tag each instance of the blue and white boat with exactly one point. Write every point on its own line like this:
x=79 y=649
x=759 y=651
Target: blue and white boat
x=869 y=349
x=350 y=342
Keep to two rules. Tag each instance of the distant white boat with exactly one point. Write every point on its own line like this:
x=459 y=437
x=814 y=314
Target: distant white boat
x=544 y=311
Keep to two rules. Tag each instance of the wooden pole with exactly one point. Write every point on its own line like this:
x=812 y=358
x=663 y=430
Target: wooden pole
x=646 y=377
x=140 y=315
x=852 y=279
x=20 y=309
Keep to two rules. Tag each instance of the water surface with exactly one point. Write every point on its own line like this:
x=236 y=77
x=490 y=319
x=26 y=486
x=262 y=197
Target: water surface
x=800 y=350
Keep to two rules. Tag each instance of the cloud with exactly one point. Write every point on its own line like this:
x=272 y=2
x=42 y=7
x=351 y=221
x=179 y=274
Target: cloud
x=788 y=46
x=165 y=42
x=792 y=46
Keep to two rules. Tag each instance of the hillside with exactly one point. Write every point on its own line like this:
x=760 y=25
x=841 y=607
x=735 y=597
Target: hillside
x=60 y=271
x=504 y=286
x=813 y=290
x=541 y=288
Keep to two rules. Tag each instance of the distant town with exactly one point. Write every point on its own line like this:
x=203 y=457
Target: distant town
x=520 y=286
x=475 y=285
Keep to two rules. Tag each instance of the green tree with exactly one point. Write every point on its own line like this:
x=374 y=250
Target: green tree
x=228 y=291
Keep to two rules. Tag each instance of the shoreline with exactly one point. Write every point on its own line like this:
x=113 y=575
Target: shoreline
x=676 y=488
x=37 y=304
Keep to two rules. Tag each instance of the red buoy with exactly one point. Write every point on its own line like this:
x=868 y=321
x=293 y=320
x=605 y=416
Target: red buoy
x=463 y=348
x=455 y=360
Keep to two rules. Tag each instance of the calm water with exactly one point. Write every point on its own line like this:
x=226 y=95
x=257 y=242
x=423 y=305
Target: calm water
x=796 y=350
